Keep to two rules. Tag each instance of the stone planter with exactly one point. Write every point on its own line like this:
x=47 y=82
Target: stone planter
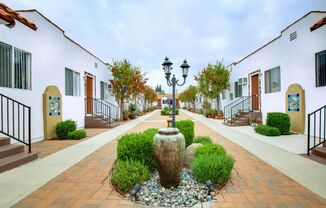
x=169 y=148
x=132 y=114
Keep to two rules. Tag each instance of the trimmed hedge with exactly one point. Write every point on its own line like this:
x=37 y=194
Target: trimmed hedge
x=168 y=112
x=128 y=173
x=215 y=167
x=137 y=146
x=64 y=127
x=267 y=130
x=280 y=121
x=151 y=132
x=210 y=149
x=203 y=140
x=77 y=134
x=186 y=127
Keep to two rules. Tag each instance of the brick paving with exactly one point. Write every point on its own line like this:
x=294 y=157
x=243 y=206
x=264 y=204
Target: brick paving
x=47 y=147
x=257 y=184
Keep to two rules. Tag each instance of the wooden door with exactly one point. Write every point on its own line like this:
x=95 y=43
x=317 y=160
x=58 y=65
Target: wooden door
x=255 y=92
x=89 y=94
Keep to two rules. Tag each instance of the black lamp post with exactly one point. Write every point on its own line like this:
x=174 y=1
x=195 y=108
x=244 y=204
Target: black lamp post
x=173 y=82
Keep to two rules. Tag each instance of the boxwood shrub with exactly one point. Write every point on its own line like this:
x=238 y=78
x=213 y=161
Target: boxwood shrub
x=280 y=121
x=151 y=132
x=215 y=167
x=267 y=130
x=137 y=146
x=167 y=112
x=203 y=140
x=186 y=127
x=64 y=127
x=77 y=134
x=210 y=149
x=127 y=173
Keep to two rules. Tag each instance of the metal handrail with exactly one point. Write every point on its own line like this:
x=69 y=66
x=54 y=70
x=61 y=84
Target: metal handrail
x=17 y=124
x=99 y=108
x=114 y=106
x=317 y=139
x=242 y=106
x=228 y=108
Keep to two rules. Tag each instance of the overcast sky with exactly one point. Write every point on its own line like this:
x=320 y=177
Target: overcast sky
x=144 y=32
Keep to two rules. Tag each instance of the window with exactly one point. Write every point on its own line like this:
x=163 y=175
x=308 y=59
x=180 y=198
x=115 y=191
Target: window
x=72 y=82
x=273 y=80
x=22 y=69
x=5 y=65
x=231 y=96
x=237 y=89
x=104 y=91
x=224 y=94
x=321 y=69
x=15 y=67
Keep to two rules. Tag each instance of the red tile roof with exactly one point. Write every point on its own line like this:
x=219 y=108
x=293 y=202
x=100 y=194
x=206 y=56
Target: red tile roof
x=318 y=24
x=10 y=16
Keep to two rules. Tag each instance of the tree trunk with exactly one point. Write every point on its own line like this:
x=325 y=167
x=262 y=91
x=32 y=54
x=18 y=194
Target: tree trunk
x=121 y=109
x=218 y=103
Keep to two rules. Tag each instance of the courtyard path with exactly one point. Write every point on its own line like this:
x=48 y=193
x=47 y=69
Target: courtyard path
x=257 y=183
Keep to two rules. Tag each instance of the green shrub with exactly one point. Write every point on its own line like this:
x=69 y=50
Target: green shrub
x=186 y=127
x=166 y=108
x=280 y=121
x=217 y=168
x=132 y=107
x=165 y=112
x=64 y=127
x=151 y=132
x=210 y=149
x=203 y=140
x=77 y=134
x=267 y=130
x=127 y=173
x=137 y=146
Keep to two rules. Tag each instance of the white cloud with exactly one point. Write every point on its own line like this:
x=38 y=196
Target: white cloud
x=146 y=31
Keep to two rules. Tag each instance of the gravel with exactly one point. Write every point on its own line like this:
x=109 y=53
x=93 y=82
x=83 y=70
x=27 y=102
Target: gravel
x=188 y=193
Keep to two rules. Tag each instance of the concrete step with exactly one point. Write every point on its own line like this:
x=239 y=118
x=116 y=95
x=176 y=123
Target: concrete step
x=96 y=122
x=10 y=149
x=4 y=141
x=16 y=160
x=320 y=152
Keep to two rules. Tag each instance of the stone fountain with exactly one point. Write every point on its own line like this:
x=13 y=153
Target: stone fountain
x=169 y=147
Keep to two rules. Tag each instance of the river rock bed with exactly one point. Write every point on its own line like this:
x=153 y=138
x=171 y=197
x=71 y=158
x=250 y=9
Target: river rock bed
x=187 y=194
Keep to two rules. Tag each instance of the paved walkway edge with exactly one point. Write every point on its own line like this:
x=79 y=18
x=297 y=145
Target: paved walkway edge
x=308 y=173
x=18 y=183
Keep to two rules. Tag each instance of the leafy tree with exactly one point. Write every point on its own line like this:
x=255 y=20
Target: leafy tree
x=189 y=95
x=150 y=95
x=158 y=89
x=128 y=82
x=212 y=80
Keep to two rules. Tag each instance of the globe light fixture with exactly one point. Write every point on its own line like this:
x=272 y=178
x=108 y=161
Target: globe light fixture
x=167 y=67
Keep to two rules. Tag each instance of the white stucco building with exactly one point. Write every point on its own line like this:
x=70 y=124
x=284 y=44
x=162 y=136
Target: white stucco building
x=296 y=56
x=32 y=59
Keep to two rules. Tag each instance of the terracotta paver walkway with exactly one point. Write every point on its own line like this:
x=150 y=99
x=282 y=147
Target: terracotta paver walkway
x=47 y=147
x=257 y=185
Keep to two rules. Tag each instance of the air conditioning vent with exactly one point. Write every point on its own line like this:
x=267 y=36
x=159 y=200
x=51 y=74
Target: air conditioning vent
x=293 y=35
x=242 y=81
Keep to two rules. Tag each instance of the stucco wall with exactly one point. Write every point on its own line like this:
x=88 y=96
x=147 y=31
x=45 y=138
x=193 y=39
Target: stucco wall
x=297 y=65
x=51 y=53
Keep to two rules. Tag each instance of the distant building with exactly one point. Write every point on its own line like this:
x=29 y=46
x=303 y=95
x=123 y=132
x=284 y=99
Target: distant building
x=165 y=100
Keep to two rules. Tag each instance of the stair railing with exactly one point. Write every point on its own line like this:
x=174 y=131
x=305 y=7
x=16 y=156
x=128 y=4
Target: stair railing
x=228 y=113
x=102 y=109
x=316 y=128
x=15 y=120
